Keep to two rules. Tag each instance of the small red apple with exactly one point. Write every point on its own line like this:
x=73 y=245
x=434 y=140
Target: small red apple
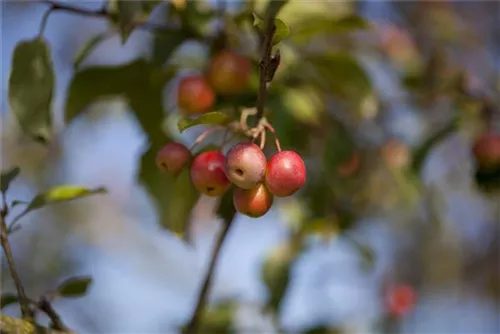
x=228 y=73
x=195 y=95
x=285 y=174
x=486 y=150
x=207 y=173
x=401 y=299
x=172 y=158
x=254 y=202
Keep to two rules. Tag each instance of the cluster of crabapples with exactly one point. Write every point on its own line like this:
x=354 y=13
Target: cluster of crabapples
x=256 y=181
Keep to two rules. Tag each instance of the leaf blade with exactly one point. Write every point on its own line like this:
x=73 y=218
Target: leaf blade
x=7 y=177
x=210 y=118
x=88 y=47
x=8 y=299
x=63 y=193
x=31 y=87
x=74 y=286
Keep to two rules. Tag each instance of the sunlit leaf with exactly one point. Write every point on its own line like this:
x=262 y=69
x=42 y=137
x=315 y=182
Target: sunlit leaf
x=62 y=193
x=74 y=286
x=88 y=47
x=8 y=299
x=218 y=318
x=31 y=86
x=210 y=118
x=323 y=25
x=274 y=7
x=282 y=31
x=7 y=177
x=256 y=20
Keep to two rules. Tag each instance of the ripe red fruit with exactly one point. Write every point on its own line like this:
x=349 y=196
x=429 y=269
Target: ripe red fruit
x=400 y=299
x=194 y=95
x=486 y=150
x=245 y=165
x=207 y=173
x=228 y=73
x=285 y=174
x=254 y=202
x=172 y=158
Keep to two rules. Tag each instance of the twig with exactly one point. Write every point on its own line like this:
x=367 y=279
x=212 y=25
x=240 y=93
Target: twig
x=193 y=325
x=45 y=306
x=4 y=238
x=265 y=61
x=104 y=13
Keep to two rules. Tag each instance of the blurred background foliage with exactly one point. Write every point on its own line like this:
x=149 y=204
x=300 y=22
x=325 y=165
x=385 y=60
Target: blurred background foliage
x=381 y=99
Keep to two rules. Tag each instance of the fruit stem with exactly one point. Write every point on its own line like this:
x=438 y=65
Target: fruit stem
x=276 y=140
x=204 y=135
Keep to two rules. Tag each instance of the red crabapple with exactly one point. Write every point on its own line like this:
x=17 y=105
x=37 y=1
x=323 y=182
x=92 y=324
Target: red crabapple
x=400 y=299
x=194 y=95
x=285 y=174
x=207 y=173
x=254 y=202
x=486 y=150
x=245 y=165
x=172 y=158
x=228 y=73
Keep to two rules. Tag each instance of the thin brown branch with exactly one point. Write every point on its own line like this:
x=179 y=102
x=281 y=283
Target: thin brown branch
x=4 y=239
x=45 y=306
x=193 y=326
x=106 y=14
x=264 y=66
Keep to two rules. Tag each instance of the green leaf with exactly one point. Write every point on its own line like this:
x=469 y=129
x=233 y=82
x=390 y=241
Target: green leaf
x=74 y=286
x=165 y=43
x=340 y=74
x=142 y=84
x=150 y=5
x=282 y=31
x=318 y=25
x=88 y=47
x=95 y=83
x=420 y=154
x=31 y=85
x=218 y=318
x=7 y=299
x=129 y=13
x=7 y=177
x=274 y=7
x=62 y=193
x=210 y=118
x=256 y=20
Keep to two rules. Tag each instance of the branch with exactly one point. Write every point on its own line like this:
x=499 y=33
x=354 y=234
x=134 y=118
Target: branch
x=45 y=306
x=103 y=13
x=4 y=239
x=193 y=326
x=266 y=60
